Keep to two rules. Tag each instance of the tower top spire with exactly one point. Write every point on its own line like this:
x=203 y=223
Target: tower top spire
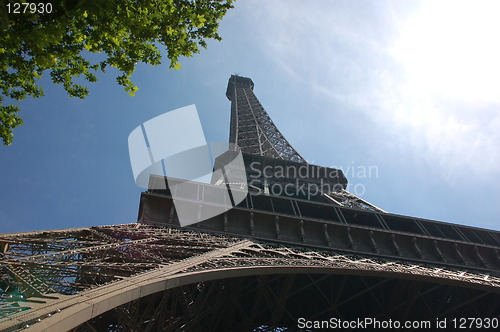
x=251 y=127
x=238 y=81
x=255 y=133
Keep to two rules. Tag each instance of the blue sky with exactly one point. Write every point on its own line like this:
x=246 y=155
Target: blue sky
x=407 y=89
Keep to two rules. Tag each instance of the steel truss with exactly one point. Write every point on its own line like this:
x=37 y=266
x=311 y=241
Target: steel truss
x=138 y=277
x=347 y=199
x=255 y=133
x=252 y=128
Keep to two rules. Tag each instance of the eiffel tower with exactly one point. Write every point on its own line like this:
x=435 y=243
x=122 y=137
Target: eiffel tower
x=281 y=260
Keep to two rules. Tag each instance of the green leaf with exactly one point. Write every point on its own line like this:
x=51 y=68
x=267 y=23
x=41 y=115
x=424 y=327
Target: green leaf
x=124 y=32
x=8 y=121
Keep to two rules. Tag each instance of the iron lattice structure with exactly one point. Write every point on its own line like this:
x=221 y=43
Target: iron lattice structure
x=251 y=127
x=255 y=133
x=260 y=266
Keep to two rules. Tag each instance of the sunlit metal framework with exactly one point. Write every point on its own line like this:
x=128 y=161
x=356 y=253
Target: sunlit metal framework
x=251 y=269
x=255 y=133
x=251 y=127
x=260 y=266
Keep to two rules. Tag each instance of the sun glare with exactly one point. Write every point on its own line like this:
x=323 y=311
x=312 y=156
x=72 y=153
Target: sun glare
x=451 y=48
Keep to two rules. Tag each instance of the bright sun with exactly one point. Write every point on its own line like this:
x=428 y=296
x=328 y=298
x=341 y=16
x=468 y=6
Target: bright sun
x=452 y=49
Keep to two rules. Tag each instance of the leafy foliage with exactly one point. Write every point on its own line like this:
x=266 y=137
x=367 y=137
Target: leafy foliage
x=124 y=31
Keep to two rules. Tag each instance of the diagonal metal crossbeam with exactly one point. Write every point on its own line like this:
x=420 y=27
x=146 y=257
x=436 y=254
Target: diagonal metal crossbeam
x=93 y=298
x=88 y=249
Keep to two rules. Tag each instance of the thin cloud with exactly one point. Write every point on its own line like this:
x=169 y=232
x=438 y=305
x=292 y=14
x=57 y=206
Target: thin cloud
x=358 y=58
